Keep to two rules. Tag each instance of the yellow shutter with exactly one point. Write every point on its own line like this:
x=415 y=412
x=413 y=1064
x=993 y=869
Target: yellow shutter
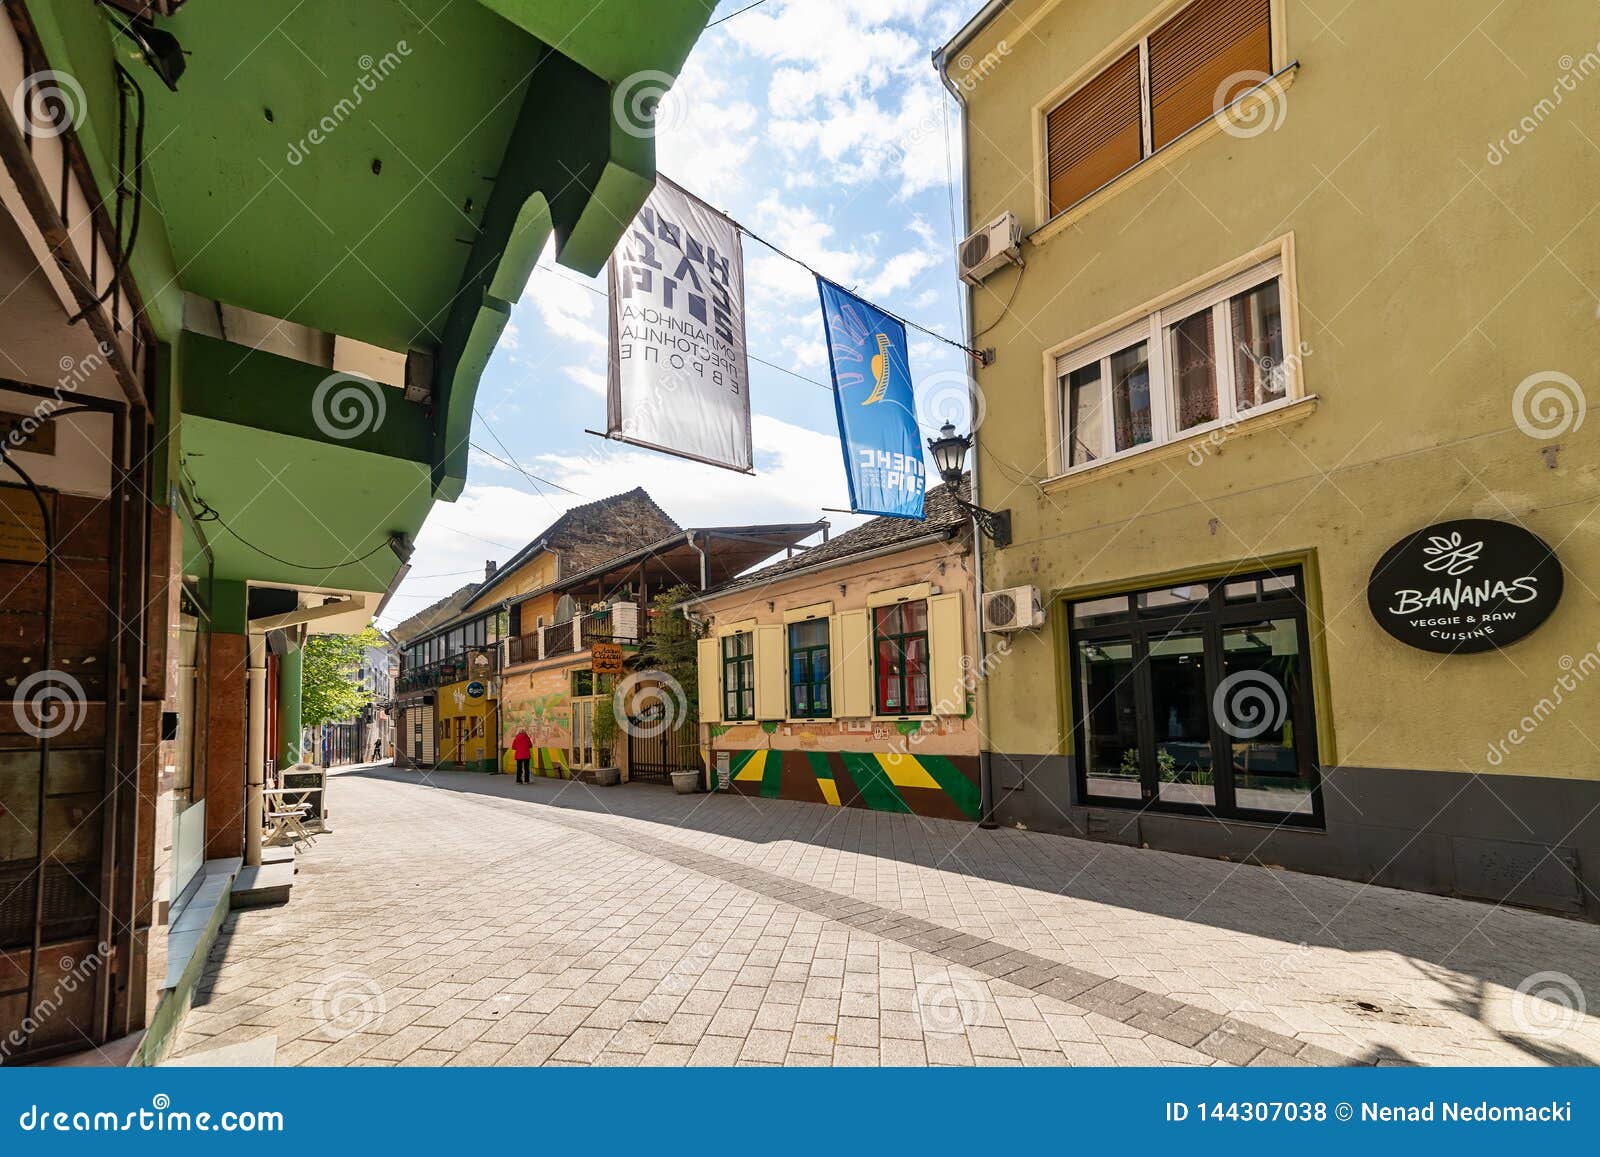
x=710 y=682
x=1096 y=133
x=772 y=690
x=1194 y=55
x=946 y=644
x=852 y=667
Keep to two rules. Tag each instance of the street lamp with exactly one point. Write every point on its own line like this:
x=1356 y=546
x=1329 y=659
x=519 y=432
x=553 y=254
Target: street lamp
x=949 y=451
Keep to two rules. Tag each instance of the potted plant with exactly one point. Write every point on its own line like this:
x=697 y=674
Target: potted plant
x=686 y=782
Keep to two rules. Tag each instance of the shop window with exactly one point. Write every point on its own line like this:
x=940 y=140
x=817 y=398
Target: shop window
x=900 y=650
x=1197 y=698
x=809 y=670
x=1164 y=85
x=738 y=676
x=1203 y=363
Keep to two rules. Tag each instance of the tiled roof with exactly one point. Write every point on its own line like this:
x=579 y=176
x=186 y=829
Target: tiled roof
x=433 y=615
x=940 y=514
x=589 y=535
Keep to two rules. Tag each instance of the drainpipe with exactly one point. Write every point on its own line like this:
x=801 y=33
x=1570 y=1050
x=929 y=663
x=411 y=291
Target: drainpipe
x=985 y=756
x=256 y=766
x=688 y=536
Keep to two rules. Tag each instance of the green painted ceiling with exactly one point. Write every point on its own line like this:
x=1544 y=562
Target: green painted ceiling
x=455 y=135
x=310 y=503
x=327 y=241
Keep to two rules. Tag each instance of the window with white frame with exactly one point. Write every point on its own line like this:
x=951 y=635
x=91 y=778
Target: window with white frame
x=1205 y=361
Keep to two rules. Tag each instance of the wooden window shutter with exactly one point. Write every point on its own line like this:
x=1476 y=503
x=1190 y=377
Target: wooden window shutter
x=853 y=667
x=710 y=657
x=772 y=689
x=1095 y=133
x=1192 y=55
x=947 y=642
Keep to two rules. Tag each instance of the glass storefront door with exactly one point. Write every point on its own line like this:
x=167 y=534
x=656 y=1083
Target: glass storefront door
x=1197 y=698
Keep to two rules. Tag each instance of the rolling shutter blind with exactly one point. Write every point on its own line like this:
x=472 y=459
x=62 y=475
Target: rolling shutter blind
x=772 y=689
x=853 y=666
x=1096 y=133
x=710 y=664
x=946 y=644
x=1192 y=55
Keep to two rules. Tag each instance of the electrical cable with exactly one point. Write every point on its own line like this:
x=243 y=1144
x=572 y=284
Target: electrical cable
x=731 y=15
x=935 y=334
x=125 y=257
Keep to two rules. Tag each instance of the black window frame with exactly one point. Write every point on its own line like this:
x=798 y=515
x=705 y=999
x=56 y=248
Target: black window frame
x=907 y=710
x=808 y=653
x=1211 y=617
x=742 y=664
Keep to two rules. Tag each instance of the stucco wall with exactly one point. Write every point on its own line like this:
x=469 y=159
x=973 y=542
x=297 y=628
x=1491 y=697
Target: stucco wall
x=1431 y=282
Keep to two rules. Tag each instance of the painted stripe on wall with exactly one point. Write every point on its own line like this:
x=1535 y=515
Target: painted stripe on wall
x=955 y=785
x=824 y=773
x=877 y=791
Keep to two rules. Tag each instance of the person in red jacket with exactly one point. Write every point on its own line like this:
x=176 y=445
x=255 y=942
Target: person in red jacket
x=522 y=751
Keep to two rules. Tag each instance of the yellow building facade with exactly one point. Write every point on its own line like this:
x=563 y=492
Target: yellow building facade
x=1287 y=295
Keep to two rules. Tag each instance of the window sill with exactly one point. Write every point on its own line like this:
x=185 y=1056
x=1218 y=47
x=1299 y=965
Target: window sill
x=1205 y=440
x=1271 y=92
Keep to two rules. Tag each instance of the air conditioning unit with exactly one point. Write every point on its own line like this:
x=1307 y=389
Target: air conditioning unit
x=1017 y=609
x=997 y=243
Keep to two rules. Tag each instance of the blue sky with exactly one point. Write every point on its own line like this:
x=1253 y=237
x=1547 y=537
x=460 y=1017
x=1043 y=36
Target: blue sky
x=821 y=125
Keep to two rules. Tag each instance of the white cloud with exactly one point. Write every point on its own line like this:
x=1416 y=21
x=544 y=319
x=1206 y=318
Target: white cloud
x=567 y=308
x=590 y=379
x=799 y=471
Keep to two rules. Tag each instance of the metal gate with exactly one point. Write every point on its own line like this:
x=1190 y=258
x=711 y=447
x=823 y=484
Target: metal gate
x=656 y=751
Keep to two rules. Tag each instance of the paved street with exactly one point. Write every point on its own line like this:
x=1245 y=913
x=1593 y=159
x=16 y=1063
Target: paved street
x=466 y=920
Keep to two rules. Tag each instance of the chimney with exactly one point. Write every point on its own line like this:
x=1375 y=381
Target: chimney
x=488 y=569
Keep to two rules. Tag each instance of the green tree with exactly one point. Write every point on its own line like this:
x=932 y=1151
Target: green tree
x=671 y=645
x=330 y=690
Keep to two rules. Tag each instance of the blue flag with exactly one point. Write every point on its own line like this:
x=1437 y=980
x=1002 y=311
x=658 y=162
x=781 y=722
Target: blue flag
x=877 y=412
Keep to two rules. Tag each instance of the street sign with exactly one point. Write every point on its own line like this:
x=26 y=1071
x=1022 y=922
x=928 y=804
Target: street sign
x=606 y=658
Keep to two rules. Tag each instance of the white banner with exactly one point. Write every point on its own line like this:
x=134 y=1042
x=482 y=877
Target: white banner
x=678 y=378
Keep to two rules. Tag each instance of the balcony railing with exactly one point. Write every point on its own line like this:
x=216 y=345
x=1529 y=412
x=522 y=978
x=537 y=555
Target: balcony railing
x=617 y=623
x=451 y=670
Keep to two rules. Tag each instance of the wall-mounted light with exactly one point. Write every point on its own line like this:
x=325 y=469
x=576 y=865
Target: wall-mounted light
x=949 y=451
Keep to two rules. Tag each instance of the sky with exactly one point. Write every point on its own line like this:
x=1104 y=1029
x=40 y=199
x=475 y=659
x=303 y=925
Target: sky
x=819 y=124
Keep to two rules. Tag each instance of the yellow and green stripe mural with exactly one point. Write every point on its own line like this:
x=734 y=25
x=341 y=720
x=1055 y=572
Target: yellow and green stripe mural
x=940 y=786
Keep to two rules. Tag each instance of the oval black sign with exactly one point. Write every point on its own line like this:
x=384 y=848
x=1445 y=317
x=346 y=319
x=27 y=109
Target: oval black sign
x=1459 y=587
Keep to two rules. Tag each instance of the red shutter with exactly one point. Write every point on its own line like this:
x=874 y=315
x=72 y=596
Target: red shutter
x=1195 y=52
x=1095 y=133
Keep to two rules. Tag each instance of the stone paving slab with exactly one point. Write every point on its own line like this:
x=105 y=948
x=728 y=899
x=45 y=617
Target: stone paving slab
x=461 y=918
